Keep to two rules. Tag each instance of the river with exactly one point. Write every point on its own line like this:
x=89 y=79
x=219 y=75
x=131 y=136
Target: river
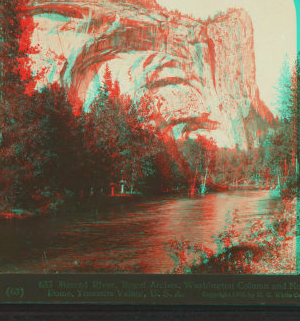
x=126 y=235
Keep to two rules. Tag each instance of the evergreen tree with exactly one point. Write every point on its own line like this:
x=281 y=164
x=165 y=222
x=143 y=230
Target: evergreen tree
x=42 y=150
x=15 y=46
x=124 y=137
x=108 y=80
x=281 y=146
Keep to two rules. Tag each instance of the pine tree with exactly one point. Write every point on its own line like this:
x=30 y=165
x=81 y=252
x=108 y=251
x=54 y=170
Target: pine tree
x=14 y=108
x=123 y=136
x=15 y=46
x=108 y=80
x=282 y=156
x=43 y=151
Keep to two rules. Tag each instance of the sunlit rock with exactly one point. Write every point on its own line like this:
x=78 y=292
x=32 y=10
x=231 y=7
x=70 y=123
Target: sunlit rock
x=200 y=76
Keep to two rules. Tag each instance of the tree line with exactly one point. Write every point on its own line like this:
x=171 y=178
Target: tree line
x=49 y=154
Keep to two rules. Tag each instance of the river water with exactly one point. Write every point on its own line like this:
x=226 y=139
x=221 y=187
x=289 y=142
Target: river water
x=126 y=235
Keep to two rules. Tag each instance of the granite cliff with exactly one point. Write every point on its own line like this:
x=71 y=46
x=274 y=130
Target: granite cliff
x=199 y=74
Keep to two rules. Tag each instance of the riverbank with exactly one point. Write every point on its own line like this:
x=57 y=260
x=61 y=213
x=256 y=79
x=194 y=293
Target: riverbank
x=101 y=202
x=264 y=247
x=62 y=203
x=126 y=238
x=93 y=204
x=282 y=255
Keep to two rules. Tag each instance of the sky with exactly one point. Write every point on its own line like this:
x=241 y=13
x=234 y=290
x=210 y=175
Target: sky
x=275 y=34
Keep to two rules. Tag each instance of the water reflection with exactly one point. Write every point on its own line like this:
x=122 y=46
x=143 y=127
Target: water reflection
x=128 y=234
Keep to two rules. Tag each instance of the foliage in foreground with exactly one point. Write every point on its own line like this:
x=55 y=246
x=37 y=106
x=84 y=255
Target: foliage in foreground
x=261 y=248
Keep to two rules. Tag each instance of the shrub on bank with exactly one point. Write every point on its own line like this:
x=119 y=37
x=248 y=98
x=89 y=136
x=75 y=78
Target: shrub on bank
x=263 y=247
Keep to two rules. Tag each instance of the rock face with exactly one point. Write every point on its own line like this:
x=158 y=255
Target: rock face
x=200 y=75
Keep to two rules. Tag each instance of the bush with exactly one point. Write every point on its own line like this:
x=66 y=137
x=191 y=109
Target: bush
x=259 y=249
